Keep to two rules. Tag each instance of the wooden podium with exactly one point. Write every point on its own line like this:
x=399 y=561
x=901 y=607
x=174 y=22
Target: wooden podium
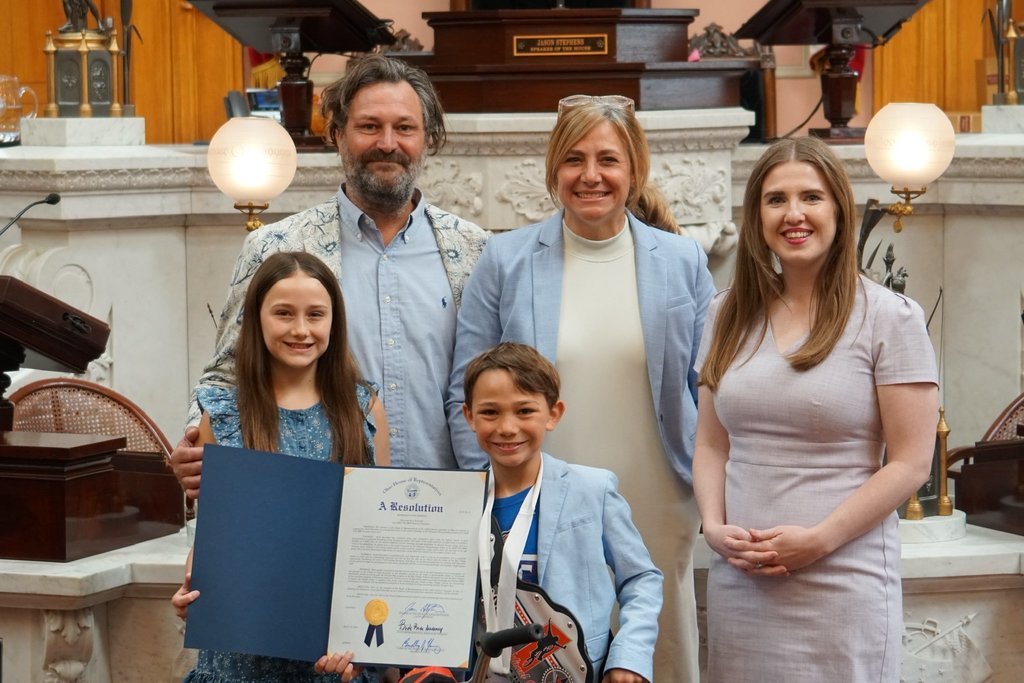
x=290 y=29
x=68 y=496
x=527 y=60
x=42 y=332
x=990 y=487
x=841 y=25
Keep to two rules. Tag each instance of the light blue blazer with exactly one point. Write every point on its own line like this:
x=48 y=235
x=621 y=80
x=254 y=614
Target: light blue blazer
x=515 y=294
x=584 y=527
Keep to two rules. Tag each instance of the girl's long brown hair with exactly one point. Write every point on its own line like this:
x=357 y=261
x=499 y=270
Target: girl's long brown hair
x=743 y=310
x=336 y=370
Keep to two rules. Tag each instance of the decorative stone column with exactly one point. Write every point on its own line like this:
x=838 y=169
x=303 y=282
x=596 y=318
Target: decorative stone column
x=68 y=644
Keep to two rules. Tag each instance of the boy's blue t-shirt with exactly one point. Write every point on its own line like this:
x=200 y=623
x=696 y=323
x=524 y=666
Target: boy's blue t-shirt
x=505 y=511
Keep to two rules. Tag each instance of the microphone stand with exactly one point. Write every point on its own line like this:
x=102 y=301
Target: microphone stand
x=12 y=355
x=52 y=198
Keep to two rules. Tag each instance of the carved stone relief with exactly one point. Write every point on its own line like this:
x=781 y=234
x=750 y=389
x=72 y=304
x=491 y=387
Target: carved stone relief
x=962 y=168
x=987 y=168
x=718 y=238
x=693 y=189
x=698 y=193
x=718 y=139
x=942 y=652
x=496 y=145
x=101 y=370
x=68 y=644
x=115 y=180
x=315 y=177
x=857 y=170
x=57 y=273
x=105 y=180
x=446 y=186
x=524 y=189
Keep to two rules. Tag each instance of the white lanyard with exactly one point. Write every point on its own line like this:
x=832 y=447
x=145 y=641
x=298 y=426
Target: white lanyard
x=504 y=616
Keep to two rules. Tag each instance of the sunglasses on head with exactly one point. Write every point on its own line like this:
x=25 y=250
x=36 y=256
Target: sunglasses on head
x=616 y=101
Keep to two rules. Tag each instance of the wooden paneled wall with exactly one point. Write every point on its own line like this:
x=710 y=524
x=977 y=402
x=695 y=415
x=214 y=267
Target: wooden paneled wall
x=185 y=64
x=181 y=93
x=182 y=68
x=933 y=57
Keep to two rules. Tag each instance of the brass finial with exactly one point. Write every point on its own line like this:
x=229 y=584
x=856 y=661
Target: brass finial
x=115 y=90
x=50 y=111
x=84 y=108
x=914 y=509
x=942 y=431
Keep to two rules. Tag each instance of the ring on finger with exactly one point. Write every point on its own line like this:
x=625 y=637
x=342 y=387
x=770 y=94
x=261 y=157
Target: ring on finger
x=758 y=565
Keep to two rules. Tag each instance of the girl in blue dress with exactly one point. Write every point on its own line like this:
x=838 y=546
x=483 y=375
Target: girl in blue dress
x=299 y=393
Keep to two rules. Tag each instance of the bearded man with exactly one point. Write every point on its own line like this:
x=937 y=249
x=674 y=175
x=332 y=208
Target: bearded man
x=401 y=262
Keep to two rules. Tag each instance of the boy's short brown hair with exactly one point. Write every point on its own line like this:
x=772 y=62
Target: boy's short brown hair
x=531 y=372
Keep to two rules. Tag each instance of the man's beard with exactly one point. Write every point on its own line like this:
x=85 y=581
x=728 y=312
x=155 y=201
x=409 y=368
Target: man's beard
x=384 y=193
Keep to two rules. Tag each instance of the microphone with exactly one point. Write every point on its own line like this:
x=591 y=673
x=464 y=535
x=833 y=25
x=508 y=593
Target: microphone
x=52 y=198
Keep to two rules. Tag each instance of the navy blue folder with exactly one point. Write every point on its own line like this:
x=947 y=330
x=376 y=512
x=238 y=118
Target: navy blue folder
x=265 y=542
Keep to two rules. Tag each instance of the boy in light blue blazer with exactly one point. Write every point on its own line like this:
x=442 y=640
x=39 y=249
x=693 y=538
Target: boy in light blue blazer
x=564 y=525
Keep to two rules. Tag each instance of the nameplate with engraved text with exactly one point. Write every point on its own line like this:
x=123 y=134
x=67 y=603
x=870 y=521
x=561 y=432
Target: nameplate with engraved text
x=560 y=45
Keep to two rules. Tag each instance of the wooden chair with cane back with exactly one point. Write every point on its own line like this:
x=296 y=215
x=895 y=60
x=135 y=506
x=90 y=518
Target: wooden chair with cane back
x=77 y=406
x=990 y=480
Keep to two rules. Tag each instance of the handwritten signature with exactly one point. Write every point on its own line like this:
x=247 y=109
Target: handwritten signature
x=411 y=626
x=424 y=611
x=422 y=646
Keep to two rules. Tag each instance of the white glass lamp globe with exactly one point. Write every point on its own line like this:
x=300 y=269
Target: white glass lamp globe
x=251 y=159
x=909 y=144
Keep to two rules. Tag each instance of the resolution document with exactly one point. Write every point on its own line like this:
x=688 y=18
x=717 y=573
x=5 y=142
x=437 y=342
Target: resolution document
x=280 y=537
x=405 y=577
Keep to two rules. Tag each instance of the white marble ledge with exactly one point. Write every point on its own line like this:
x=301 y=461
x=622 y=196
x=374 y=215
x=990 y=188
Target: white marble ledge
x=24 y=158
x=160 y=560
x=499 y=123
x=982 y=552
x=57 y=160
x=969 y=146
x=1002 y=119
x=988 y=145
x=934 y=529
x=674 y=119
x=747 y=154
x=80 y=132
x=984 y=176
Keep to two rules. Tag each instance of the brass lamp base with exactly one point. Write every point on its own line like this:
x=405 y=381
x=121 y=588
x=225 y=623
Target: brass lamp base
x=902 y=209
x=253 y=211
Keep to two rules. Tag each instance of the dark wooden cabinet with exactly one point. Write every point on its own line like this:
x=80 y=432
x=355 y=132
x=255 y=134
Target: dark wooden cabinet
x=68 y=496
x=527 y=60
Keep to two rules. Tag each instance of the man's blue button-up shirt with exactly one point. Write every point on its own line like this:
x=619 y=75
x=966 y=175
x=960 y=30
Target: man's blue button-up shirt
x=401 y=328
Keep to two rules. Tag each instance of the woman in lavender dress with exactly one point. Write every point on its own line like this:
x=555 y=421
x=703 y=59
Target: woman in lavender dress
x=808 y=371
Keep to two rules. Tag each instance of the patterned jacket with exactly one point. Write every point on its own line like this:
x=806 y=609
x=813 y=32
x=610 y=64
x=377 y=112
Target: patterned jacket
x=315 y=231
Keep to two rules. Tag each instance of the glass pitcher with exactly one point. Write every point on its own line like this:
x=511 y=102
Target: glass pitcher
x=11 y=110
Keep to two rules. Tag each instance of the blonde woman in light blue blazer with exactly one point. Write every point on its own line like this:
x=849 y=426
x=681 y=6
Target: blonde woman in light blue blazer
x=610 y=293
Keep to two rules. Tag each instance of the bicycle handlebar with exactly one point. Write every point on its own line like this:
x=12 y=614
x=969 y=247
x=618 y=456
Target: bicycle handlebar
x=491 y=644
